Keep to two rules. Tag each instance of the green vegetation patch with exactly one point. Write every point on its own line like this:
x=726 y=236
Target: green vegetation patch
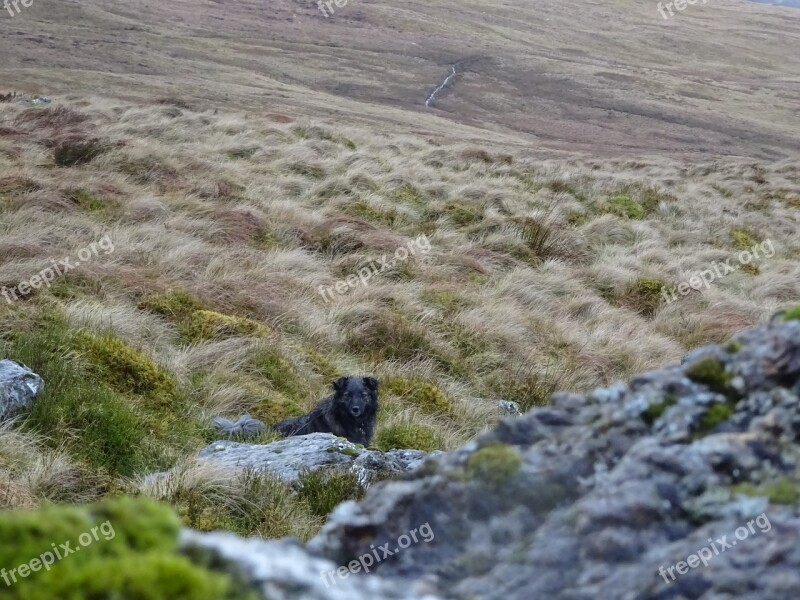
x=645 y=295
x=495 y=464
x=127 y=369
x=125 y=548
x=196 y=323
x=710 y=372
x=624 y=206
x=73 y=153
x=463 y=214
x=204 y=325
x=110 y=406
x=407 y=436
x=655 y=410
x=743 y=239
x=792 y=313
x=418 y=392
x=324 y=489
x=783 y=491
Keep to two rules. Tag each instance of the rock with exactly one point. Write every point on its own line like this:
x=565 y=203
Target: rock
x=289 y=457
x=244 y=427
x=681 y=484
x=18 y=387
x=283 y=570
x=509 y=407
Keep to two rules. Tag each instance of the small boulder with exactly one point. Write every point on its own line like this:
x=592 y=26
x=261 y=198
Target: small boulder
x=18 y=387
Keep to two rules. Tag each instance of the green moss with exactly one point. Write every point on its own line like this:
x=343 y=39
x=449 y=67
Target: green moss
x=495 y=463
x=645 y=295
x=87 y=201
x=132 y=553
x=576 y=218
x=407 y=436
x=654 y=411
x=204 y=325
x=743 y=239
x=270 y=364
x=710 y=372
x=323 y=490
x=733 y=347
x=463 y=214
x=783 y=491
x=418 y=392
x=323 y=365
x=127 y=369
x=364 y=210
x=792 y=314
x=624 y=206
x=174 y=304
x=715 y=415
x=410 y=194
x=447 y=300
x=751 y=269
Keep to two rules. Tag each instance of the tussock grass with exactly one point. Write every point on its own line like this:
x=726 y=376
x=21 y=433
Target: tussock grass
x=539 y=277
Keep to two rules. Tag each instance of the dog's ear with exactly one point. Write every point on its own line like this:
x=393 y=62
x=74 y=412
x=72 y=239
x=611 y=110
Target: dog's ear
x=340 y=384
x=371 y=383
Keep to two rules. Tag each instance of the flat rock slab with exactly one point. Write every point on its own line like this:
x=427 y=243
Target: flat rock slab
x=18 y=387
x=288 y=458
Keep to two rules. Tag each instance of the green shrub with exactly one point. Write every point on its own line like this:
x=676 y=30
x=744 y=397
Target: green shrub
x=132 y=553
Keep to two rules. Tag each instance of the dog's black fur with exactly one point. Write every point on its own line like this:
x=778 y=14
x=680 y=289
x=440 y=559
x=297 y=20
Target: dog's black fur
x=350 y=412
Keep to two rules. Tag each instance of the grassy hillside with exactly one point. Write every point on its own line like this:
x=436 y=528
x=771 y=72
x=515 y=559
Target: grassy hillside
x=205 y=238
x=606 y=77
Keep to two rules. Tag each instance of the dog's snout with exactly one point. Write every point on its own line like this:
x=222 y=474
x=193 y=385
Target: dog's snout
x=355 y=410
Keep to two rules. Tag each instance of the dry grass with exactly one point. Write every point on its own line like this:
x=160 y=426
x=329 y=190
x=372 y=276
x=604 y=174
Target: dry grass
x=527 y=287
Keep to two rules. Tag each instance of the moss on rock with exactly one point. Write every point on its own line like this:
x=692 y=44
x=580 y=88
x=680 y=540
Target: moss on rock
x=792 y=314
x=710 y=372
x=495 y=463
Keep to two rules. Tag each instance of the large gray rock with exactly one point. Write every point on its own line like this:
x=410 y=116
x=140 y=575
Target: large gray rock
x=289 y=457
x=18 y=387
x=682 y=484
x=284 y=570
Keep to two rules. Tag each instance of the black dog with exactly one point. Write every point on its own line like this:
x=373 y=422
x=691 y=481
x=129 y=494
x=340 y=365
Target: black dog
x=350 y=412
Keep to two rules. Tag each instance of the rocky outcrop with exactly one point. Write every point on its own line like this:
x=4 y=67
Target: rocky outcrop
x=681 y=484
x=289 y=457
x=18 y=387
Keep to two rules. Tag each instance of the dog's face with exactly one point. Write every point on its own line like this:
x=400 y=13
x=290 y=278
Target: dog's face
x=357 y=395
